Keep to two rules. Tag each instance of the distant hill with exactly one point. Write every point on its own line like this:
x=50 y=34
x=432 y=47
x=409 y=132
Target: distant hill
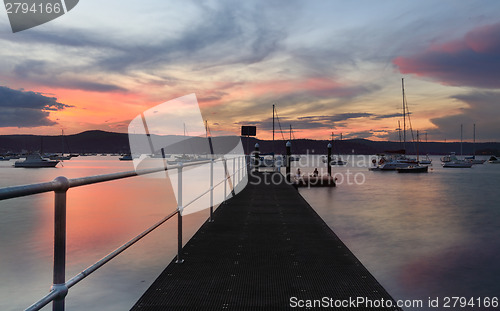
x=85 y=142
x=109 y=142
x=365 y=146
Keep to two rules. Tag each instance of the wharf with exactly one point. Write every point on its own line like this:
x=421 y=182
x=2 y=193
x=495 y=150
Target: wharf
x=265 y=246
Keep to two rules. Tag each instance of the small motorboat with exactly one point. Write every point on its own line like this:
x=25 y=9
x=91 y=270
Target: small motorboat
x=126 y=157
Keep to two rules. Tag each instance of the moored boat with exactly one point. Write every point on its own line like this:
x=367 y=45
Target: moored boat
x=126 y=157
x=334 y=161
x=459 y=164
x=35 y=161
x=453 y=161
x=473 y=160
x=413 y=169
x=494 y=160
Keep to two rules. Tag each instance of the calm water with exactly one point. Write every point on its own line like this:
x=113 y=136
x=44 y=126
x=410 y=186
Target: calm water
x=100 y=218
x=420 y=235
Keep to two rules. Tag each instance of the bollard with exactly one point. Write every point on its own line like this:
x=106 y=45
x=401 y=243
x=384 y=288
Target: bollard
x=288 y=160
x=329 y=159
x=211 y=219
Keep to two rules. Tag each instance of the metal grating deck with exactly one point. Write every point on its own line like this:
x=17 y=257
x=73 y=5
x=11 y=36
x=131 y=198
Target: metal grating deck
x=265 y=246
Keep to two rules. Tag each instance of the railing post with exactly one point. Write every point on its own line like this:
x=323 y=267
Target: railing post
x=179 y=214
x=211 y=219
x=329 y=159
x=225 y=179
x=234 y=173
x=256 y=158
x=59 y=272
x=239 y=169
x=288 y=161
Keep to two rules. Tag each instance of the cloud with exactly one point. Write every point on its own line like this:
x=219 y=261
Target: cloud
x=44 y=73
x=482 y=109
x=387 y=116
x=336 y=118
x=473 y=60
x=308 y=122
x=26 y=108
x=225 y=34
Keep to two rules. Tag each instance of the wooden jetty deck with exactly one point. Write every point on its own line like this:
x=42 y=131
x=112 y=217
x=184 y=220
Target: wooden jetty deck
x=265 y=246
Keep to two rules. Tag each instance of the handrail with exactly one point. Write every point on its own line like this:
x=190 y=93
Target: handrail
x=55 y=185
x=60 y=186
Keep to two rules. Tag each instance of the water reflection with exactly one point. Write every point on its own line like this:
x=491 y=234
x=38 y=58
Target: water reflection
x=423 y=235
x=100 y=218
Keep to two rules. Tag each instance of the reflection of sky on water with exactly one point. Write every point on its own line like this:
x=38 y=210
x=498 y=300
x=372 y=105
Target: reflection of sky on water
x=423 y=235
x=100 y=218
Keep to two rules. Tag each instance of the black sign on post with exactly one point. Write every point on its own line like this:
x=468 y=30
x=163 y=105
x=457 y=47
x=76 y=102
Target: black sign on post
x=248 y=130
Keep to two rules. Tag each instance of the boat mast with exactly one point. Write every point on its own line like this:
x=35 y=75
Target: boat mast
x=474 y=143
x=273 y=129
x=404 y=114
x=417 y=146
x=62 y=142
x=461 y=130
x=399 y=132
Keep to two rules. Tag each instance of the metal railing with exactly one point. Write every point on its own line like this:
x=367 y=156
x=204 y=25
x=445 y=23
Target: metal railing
x=61 y=185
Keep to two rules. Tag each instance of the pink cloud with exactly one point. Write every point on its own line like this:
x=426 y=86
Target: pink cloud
x=473 y=60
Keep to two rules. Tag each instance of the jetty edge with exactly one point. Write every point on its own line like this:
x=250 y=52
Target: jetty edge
x=266 y=249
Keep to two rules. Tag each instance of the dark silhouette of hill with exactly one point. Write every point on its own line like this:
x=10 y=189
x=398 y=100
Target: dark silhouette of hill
x=110 y=142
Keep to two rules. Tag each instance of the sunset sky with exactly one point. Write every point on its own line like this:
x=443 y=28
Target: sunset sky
x=327 y=65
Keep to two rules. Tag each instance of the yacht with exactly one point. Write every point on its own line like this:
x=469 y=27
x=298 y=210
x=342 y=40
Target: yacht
x=336 y=160
x=494 y=160
x=35 y=161
x=473 y=160
x=392 y=163
x=453 y=161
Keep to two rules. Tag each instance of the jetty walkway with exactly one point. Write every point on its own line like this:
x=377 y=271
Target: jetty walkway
x=266 y=249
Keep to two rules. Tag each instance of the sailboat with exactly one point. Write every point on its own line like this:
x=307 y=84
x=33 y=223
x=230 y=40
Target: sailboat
x=293 y=157
x=427 y=160
x=397 y=161
x=35 y=161
x=452 y=160
x=61 y=156
x=416 y=168
x=336 y=160
x=269 y=159
x=472 y=159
